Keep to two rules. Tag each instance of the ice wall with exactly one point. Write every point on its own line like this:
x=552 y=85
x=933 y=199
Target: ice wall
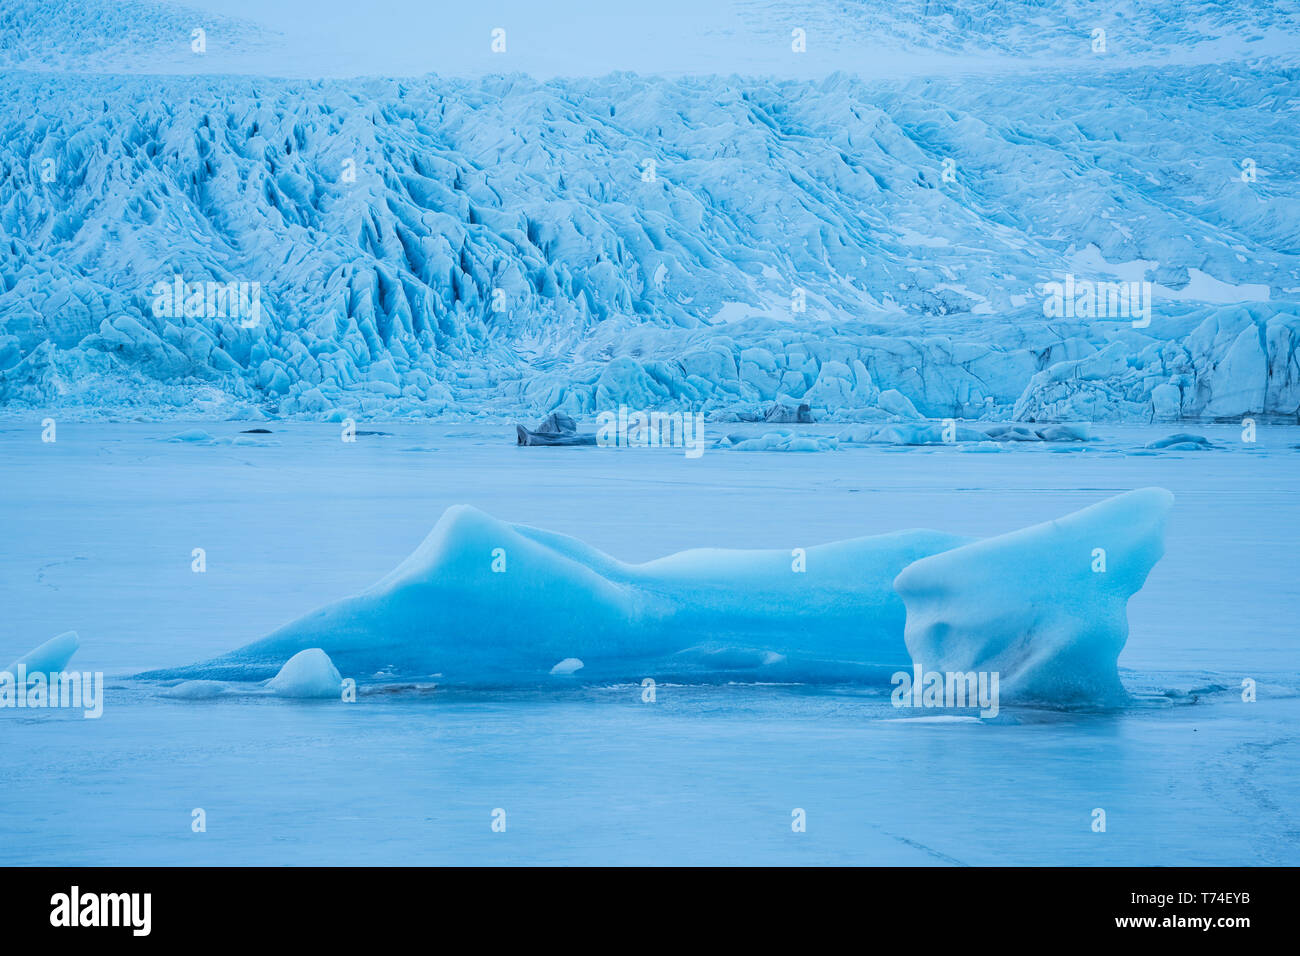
x=509 y=247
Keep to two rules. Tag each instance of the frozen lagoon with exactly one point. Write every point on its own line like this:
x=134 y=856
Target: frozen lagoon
x=100 y=529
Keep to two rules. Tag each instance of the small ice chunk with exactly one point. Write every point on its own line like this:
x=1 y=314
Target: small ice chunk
x=569 y=665
x=50 y=658
x=1182 y=442
x=783 y=441
x=308 y=673
x=196 y=690
x=1065 y=432
x=924 y=433
x=193 y=435
x=1012 y=433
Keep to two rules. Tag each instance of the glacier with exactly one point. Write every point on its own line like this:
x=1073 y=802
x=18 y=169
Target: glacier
x=503 y=246
x=487 y=602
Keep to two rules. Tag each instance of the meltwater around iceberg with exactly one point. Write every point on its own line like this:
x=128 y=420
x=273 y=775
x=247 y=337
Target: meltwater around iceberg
x=484 y=602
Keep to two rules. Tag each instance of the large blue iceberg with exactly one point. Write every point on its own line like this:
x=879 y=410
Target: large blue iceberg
x=486 y=602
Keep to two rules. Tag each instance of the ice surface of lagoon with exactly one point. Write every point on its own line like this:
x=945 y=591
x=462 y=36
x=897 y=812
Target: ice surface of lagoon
x=100 y=527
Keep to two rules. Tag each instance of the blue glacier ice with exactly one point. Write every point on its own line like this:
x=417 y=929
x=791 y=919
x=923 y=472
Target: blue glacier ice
x=197 y=690
x=497 y=247
x=483 y=601
x=49 y=658
x=1044 y=607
